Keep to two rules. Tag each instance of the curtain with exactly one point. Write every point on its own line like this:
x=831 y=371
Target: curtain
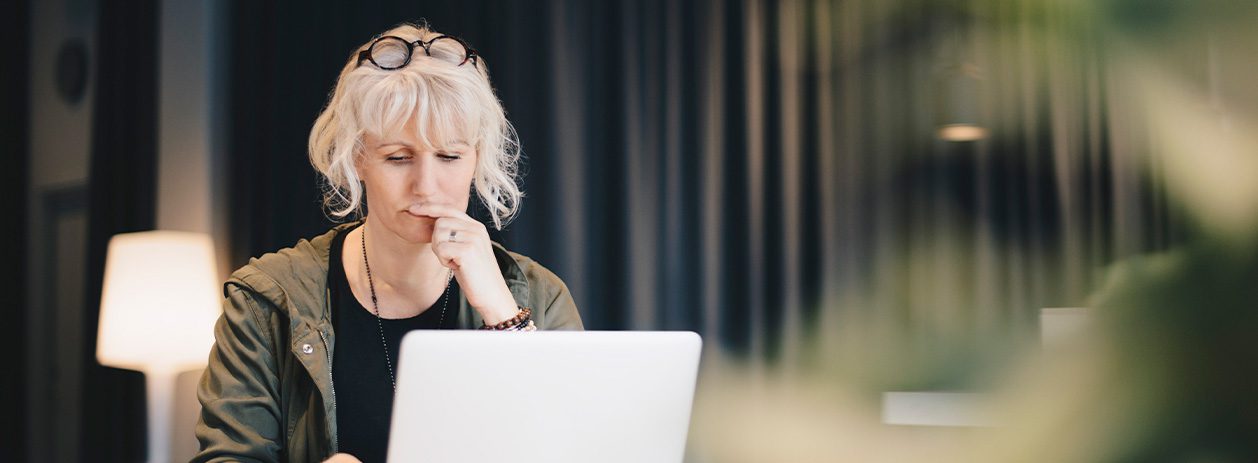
x=769 y=174
x=14 y=139
x=122 y=198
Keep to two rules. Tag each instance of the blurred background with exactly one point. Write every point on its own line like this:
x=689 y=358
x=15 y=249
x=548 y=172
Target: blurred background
x=848 y=199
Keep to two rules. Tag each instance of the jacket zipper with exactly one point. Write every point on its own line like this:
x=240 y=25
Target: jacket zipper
x=331 y=384
x=327 y=350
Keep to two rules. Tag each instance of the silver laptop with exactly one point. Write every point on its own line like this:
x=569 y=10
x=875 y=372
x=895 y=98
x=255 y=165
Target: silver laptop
x=555 y=397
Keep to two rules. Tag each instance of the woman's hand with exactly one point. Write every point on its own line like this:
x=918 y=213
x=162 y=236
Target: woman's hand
x=342 y=458
x=462 y=244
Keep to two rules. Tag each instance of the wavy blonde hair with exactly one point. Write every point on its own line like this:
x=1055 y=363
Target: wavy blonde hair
x=449 y=103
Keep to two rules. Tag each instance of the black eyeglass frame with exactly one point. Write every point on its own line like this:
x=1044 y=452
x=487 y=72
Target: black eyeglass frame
x=365 y=55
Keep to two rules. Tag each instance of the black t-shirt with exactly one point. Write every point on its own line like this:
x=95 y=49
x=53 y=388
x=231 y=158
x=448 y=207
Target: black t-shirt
x=364 y=393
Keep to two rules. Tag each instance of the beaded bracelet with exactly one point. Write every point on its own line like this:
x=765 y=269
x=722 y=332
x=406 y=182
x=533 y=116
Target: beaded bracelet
x=522 y=317
x=528 y=326
x=524 y=325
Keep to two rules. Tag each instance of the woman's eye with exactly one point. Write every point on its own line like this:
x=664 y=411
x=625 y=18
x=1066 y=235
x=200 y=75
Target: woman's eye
x=398 y=158
x=448 y=157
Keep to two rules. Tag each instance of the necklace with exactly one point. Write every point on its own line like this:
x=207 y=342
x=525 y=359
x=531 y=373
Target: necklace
x=375 y=305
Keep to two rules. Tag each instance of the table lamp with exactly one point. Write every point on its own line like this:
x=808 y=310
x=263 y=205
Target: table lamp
x=159 y=303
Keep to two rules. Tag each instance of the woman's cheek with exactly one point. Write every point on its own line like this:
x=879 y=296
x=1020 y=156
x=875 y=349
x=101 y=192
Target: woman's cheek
x=421 y=229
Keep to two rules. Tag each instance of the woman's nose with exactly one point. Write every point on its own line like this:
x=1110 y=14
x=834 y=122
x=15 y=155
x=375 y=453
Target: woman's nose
x=426 y=180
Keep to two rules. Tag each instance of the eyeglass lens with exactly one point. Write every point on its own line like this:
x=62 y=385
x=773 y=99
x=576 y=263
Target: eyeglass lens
x=447 y=49
x=390 y=53
x=394 y=53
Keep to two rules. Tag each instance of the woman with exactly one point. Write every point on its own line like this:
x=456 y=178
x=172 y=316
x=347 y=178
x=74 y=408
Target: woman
x=304 y=362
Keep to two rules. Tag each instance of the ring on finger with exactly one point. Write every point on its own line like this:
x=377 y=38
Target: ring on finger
x=452 y=236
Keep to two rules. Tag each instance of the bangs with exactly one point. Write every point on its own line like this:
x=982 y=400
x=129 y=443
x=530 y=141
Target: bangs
x=439 y=112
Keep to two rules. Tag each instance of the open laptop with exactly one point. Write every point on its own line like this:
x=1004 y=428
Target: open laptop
x=544 y=396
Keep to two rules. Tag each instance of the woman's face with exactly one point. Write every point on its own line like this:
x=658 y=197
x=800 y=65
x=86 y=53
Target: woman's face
x=399 y=173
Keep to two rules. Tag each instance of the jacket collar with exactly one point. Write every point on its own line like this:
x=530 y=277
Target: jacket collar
x=295 y=279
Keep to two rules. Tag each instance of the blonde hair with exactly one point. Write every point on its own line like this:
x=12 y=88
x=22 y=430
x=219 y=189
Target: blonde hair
x=449 y=102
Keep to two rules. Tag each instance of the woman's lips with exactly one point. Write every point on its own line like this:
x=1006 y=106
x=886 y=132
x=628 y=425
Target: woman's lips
x=414 y=208
x=412 y=211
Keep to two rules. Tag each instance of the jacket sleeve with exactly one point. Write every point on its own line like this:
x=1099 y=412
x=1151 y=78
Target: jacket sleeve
x=552 y=298
x=239 y=391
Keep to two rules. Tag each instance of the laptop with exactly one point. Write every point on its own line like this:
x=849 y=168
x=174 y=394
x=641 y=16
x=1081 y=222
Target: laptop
x=544 y=396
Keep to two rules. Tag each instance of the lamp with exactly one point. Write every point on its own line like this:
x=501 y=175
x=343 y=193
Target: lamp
x=959 y=83
x=158 y=307
x=959 y=94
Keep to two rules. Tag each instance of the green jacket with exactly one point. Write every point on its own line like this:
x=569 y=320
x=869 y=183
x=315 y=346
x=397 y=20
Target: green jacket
x=267 y=393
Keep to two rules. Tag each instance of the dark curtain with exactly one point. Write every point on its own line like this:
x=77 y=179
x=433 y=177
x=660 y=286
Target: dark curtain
x=122 y=185
x=14 y=144
x=761 y=172
x=284 y=59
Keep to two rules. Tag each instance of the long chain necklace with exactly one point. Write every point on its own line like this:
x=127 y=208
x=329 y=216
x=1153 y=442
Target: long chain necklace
x=376 y=306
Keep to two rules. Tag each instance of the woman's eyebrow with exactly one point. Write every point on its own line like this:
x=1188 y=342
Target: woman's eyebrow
x=455 y=145
x=393 y=143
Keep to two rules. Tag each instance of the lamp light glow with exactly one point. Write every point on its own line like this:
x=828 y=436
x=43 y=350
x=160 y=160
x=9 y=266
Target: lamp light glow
x=962 y=132
x=159 y=303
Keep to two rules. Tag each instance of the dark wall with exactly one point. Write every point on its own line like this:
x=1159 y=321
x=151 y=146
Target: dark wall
x=14 y=152
x=284 y=60
x=122 y=183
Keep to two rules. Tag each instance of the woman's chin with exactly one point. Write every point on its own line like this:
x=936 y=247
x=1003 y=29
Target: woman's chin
x=415 y=230
x=418 y=235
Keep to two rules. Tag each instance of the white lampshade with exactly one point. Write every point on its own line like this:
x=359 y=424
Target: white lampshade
x=159 y=303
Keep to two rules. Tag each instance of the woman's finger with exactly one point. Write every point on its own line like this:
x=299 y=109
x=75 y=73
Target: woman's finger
x=463 y=230
x=452 y=253
x=437 y=211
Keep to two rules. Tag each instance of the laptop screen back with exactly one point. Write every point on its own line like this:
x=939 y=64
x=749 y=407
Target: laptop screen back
x=557 y=397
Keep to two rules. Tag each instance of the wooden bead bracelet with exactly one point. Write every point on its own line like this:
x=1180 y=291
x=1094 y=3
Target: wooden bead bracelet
x=521 y=318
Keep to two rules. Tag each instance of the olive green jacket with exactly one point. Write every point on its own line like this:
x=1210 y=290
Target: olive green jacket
x=267 y=393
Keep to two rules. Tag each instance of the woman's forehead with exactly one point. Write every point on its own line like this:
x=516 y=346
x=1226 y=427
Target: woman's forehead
x=430 y=135
x=418 y=145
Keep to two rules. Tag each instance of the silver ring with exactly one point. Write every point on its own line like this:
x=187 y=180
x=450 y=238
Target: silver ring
x=452 y=233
